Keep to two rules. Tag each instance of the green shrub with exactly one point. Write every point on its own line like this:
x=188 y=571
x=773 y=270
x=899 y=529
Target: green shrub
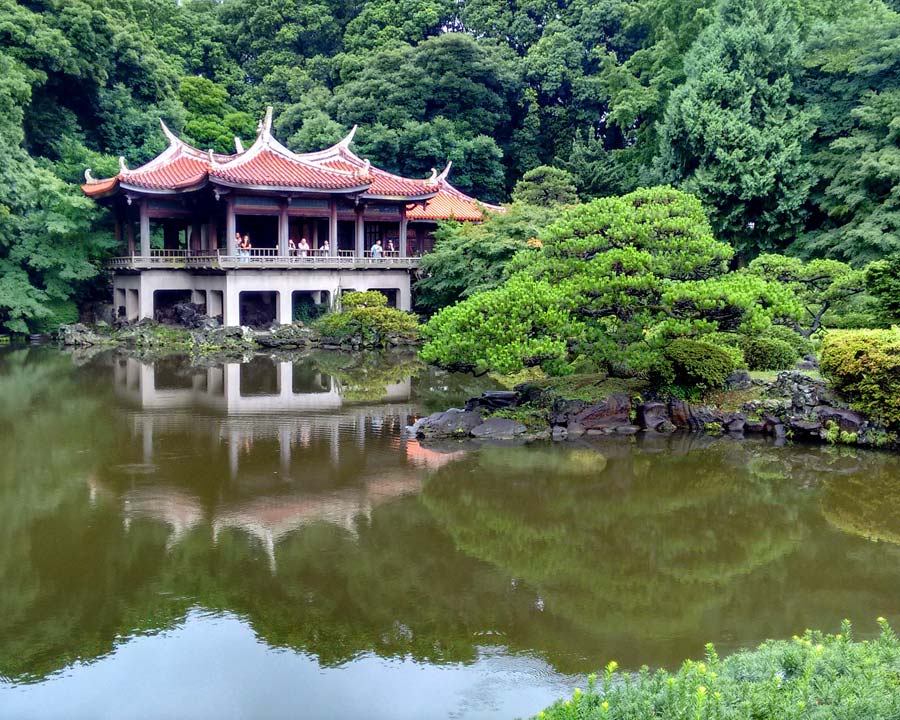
x=813 y=677
x=764 y=352
x=802 y=345
x=62 y=312
x=366 y=319
x=697 y=364
x=865 y=366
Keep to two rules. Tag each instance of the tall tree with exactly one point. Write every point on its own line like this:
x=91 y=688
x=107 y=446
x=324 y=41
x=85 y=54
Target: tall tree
x=733 y=133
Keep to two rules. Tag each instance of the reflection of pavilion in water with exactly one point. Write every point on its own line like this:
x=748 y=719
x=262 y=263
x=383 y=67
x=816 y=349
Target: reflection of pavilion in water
x=248 y=406
x=295 y=400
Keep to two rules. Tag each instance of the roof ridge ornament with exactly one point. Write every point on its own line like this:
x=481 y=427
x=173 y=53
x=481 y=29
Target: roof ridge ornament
x=212 y=159
x=433 y=180
x=89 y=178
x=265 y=125
x=345 y=143
x=444 y=173
x=238 y=145
x=170 y=136
x=364 y=173
x=123 y=168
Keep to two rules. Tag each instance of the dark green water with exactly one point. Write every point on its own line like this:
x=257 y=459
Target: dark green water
x=263 y=541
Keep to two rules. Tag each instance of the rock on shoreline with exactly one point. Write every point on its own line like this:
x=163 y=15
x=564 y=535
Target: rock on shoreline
x=798 y=407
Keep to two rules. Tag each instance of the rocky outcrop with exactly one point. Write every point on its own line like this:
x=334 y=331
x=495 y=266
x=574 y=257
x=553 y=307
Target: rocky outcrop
x=448 y=424
x=498 y=428
x=79 y=335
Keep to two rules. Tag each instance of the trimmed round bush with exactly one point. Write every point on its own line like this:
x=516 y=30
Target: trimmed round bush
x=699 y=364
x=768 y=353
x=865 y=366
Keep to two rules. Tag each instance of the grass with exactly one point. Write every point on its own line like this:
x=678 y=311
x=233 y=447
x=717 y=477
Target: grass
x=590 y=388
x=813 y=677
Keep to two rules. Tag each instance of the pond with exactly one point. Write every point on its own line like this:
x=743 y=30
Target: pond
x=263 y=540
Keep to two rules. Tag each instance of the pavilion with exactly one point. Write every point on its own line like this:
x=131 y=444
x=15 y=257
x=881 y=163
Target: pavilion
x=178 y=215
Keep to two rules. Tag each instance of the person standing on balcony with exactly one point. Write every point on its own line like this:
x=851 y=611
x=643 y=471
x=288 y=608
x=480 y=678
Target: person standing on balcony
x=246 y=246
x=292 y=247
x=238 y=243
x=326 y=248
x=303 y=247
x=377 y=250
x=391 y=251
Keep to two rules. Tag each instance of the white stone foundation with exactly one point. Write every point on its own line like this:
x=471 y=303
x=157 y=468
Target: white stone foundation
x=133 y=292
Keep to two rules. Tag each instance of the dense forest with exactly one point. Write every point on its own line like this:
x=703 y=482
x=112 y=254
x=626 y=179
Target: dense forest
x=782 y=117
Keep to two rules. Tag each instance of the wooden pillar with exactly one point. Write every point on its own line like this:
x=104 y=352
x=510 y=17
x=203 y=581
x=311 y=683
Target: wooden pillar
x=212 y=240
x=360 y=231
x=283 y=229
x=402 y=245
x=333 y=226
x=129 y=235
x=195 y=241
x=145 y=229
x=230 y=228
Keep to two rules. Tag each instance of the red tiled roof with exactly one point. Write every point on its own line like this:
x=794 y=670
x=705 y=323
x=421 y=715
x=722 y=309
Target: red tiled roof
x=451 y=204
x=268 y=164
x=266 y=167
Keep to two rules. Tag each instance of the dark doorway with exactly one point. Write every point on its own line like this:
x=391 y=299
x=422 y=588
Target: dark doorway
x=258 y=309
x=262 y=229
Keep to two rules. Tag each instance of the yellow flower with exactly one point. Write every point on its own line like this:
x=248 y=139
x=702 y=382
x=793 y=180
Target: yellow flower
x=604 y=705
x=611 y=667
x=880 y=620
x=701 y=690
x=701 y=667
x=819 y=648
x=577 y=693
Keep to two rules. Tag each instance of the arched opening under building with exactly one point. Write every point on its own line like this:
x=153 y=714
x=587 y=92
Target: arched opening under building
x=164 y=302
x=258 y=309
x=392 y=295
x=308 y=305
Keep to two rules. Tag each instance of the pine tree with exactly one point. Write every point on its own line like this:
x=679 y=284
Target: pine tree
x=733 y=134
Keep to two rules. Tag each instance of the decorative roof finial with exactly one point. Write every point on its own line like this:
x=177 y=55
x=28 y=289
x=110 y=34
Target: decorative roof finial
x=238 y=145
x=88 y=178
x=267 y=122
x=433 y=179
x=363 y=172
x=345 y=143
x=170 y=136
x=212 y=160
x=446 y=171
x=123 y=168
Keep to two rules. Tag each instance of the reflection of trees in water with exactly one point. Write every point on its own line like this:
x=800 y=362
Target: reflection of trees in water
x=866 y=504
x=364 y=376
x=649 y=545
x=541 y=549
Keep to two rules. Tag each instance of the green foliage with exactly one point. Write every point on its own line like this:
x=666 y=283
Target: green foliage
x=546 y=186
x=822 y=286
x=698 y=365
x=768 y=353
x=883 y=282
x=865 y=366
x=733 y=133
x=472 y=257
x=366 y=320
x=612 y=283
x=815 y=676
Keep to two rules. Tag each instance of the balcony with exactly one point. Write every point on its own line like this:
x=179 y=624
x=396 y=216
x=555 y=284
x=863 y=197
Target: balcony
x=261 y=258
